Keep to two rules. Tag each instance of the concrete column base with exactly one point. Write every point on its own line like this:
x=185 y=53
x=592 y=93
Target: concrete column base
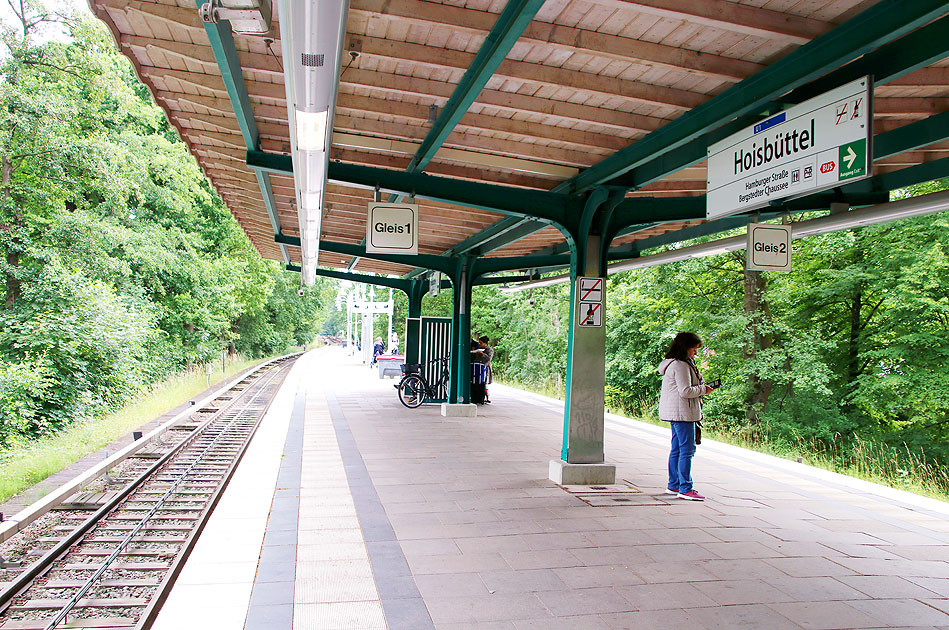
x=566 y=474
x=459 y=410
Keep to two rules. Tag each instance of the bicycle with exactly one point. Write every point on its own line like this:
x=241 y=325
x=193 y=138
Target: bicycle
x=415 y=390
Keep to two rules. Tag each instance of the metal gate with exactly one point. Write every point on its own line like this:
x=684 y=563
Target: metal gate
x=435 y=343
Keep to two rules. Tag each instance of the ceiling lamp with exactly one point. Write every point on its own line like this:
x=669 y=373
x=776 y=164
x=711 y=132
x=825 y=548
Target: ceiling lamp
x=311 y=34
x=247 y=17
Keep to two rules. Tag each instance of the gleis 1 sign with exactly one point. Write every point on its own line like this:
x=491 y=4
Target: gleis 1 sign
x=392 y=228
x=809 y=147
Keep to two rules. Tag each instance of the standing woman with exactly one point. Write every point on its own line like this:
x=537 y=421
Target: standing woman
x=680 y=404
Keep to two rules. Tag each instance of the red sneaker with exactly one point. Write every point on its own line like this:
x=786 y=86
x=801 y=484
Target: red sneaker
x=691 y=495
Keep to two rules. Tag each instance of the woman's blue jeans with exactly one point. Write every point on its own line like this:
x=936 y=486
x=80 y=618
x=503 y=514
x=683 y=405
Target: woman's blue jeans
x=680 y=456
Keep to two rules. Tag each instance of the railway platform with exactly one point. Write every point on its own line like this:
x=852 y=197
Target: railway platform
x=350 y=511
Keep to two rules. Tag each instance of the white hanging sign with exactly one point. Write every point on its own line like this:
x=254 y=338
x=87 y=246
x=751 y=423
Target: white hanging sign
x=392 y=228
x=812 y=146
x=769 y=247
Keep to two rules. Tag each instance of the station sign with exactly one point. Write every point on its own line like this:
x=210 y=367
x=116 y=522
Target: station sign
x=769 y=247
x=590 y=293
x=392 y=228
x=810 y=147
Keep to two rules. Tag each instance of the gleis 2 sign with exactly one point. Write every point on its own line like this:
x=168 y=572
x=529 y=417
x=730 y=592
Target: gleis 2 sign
x=809 y=147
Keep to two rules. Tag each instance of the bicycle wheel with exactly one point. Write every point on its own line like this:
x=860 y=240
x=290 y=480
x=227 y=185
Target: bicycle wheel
x=412 y=391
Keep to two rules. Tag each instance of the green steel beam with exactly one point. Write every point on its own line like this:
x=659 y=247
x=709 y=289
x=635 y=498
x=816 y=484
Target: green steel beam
x=485 y=280
x=926 y=172
x=912 y=136
x=515 y=17
x=639 y=210
x=510 y=263
x=222 y=43
x=476 y=241
x=874 y=27
x=443 y=264
x=380 y=281
x=887 y=63
x=548 y=207
x=225 y=54
x=437 y=263
x=525 y=228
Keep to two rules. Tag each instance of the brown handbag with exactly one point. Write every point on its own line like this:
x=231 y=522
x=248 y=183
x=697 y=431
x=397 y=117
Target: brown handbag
x=698 y=432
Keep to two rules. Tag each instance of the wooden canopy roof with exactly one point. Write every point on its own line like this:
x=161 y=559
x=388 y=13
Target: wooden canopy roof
x=636 y=87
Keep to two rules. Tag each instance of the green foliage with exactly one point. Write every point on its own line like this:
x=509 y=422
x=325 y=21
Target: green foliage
x=119 y=263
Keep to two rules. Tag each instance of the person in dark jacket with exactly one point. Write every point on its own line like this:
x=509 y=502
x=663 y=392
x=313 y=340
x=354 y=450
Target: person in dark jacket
x=377 y=349
x=680 y=404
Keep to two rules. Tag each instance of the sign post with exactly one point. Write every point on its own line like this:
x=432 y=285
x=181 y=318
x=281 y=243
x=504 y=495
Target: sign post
x=392 y=228
x=810 y=147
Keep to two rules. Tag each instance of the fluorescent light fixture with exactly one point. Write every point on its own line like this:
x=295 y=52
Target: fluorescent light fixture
x=311 y=35
x=872 y=215
x=311 y=130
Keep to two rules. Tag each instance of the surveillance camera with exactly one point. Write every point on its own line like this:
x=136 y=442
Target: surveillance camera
x=300 y=292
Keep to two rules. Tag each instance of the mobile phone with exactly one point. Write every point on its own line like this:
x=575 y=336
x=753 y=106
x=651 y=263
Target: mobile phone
x=715 y=384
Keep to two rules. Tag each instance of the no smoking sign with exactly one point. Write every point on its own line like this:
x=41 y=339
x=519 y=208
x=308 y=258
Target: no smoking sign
x=590 y=293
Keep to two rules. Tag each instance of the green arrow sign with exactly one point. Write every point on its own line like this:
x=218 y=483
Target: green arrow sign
x=853 y=159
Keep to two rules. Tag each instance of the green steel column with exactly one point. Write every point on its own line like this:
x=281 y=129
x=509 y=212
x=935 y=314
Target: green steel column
x=460 y=386
x=586 y=373
x=413 y=324
x=586 y=346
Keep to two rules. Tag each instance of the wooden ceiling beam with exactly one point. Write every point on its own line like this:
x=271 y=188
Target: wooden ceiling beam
x=909 y=105
x=577 y=40
x=931 y=77
x=730 y=16
x=538 y=75
x=514 y=126
x=214 y=83
x=471 y=141
x=524 y=103
x=277 y=131
x=202 y=54
x=439 y=168
x=223 y=105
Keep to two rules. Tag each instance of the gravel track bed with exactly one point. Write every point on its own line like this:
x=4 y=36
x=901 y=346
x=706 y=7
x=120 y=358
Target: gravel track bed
x=19 y=545
x=99 y=592
x=76 y=613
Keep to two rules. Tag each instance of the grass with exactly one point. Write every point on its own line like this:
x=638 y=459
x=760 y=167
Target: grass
x=25 y=465
x=899 y=468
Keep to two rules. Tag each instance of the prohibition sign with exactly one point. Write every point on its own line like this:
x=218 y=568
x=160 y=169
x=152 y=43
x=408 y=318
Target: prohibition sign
x=592 y=315
x=591 y=289
x=590 y=302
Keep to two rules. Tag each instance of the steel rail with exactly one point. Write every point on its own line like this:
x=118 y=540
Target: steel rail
x=25 y=579
x=64 y=612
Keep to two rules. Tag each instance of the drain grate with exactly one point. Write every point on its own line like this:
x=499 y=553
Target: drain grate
x=623 y=494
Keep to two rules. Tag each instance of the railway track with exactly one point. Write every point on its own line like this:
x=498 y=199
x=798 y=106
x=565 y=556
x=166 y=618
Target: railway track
x=114 y=568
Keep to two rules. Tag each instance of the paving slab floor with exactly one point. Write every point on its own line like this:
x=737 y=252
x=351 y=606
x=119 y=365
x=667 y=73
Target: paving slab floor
x=387 y=517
